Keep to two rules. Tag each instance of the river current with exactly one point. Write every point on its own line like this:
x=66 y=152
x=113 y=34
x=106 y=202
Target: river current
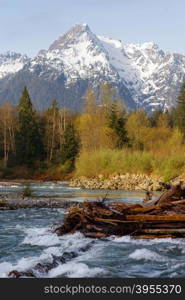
x=25 y=240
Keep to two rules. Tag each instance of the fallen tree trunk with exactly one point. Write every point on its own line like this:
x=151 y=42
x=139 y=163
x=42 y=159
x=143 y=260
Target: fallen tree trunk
x=154 y=218
x=163 y=231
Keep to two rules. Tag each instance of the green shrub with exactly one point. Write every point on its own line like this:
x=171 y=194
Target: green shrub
x=170 y=167
x=107 y=162
x=27 y=192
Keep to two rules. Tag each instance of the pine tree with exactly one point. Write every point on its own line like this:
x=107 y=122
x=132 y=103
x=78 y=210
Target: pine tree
x=116 y=121
x=70 y=147
x=29 y=145
x=179 y=114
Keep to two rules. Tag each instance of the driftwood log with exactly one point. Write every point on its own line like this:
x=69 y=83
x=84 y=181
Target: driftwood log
x=162 y=217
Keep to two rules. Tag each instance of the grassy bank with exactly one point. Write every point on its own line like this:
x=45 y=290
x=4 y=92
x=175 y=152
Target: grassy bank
x=107 y=162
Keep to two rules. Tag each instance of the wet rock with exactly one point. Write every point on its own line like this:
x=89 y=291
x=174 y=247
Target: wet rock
x=17 y=274
x=19 y=203
x=44 y=268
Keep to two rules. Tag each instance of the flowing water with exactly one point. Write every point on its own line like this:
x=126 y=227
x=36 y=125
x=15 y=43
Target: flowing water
x=25 y=240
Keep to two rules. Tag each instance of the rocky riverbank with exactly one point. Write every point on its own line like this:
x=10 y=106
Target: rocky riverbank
x=122 y=182
x=12 y=203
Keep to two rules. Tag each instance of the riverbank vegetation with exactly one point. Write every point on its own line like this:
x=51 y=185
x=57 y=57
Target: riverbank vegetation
x=107 y=162
x=105 y=138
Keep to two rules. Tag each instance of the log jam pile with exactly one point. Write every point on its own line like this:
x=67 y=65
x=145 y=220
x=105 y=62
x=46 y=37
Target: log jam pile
x=159 y=218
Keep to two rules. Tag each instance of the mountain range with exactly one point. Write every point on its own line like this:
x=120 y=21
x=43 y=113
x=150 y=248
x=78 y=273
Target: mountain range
x=144 y=75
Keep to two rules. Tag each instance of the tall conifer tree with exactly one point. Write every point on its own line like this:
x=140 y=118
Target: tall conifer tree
x=29 y=145
x=116 y=121
x=70 y=147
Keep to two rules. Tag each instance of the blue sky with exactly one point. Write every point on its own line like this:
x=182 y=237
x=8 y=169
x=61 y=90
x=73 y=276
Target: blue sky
x=26 y=26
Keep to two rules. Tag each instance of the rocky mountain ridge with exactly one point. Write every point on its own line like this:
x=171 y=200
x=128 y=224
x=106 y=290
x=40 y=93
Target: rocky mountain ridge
x=144 y=75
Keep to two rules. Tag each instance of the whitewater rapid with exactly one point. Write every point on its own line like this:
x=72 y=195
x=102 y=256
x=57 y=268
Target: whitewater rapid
x=26 y=240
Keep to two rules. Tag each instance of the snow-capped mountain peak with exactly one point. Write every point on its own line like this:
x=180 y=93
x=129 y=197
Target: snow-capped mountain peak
x=11 y=63
x=152 y=76
x=143 y=74
x=79 y=32
x=78 y=54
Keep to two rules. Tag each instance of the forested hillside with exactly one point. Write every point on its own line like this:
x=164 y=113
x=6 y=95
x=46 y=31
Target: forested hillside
x=104 y=139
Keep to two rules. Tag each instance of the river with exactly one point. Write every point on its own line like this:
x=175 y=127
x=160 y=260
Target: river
x=25 y=240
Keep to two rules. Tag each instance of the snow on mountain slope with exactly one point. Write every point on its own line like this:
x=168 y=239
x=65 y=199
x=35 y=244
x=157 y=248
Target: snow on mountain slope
x=11 y=62
x=144 y=75
x=152 y=76
x=78 y=53
x=122 y=63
